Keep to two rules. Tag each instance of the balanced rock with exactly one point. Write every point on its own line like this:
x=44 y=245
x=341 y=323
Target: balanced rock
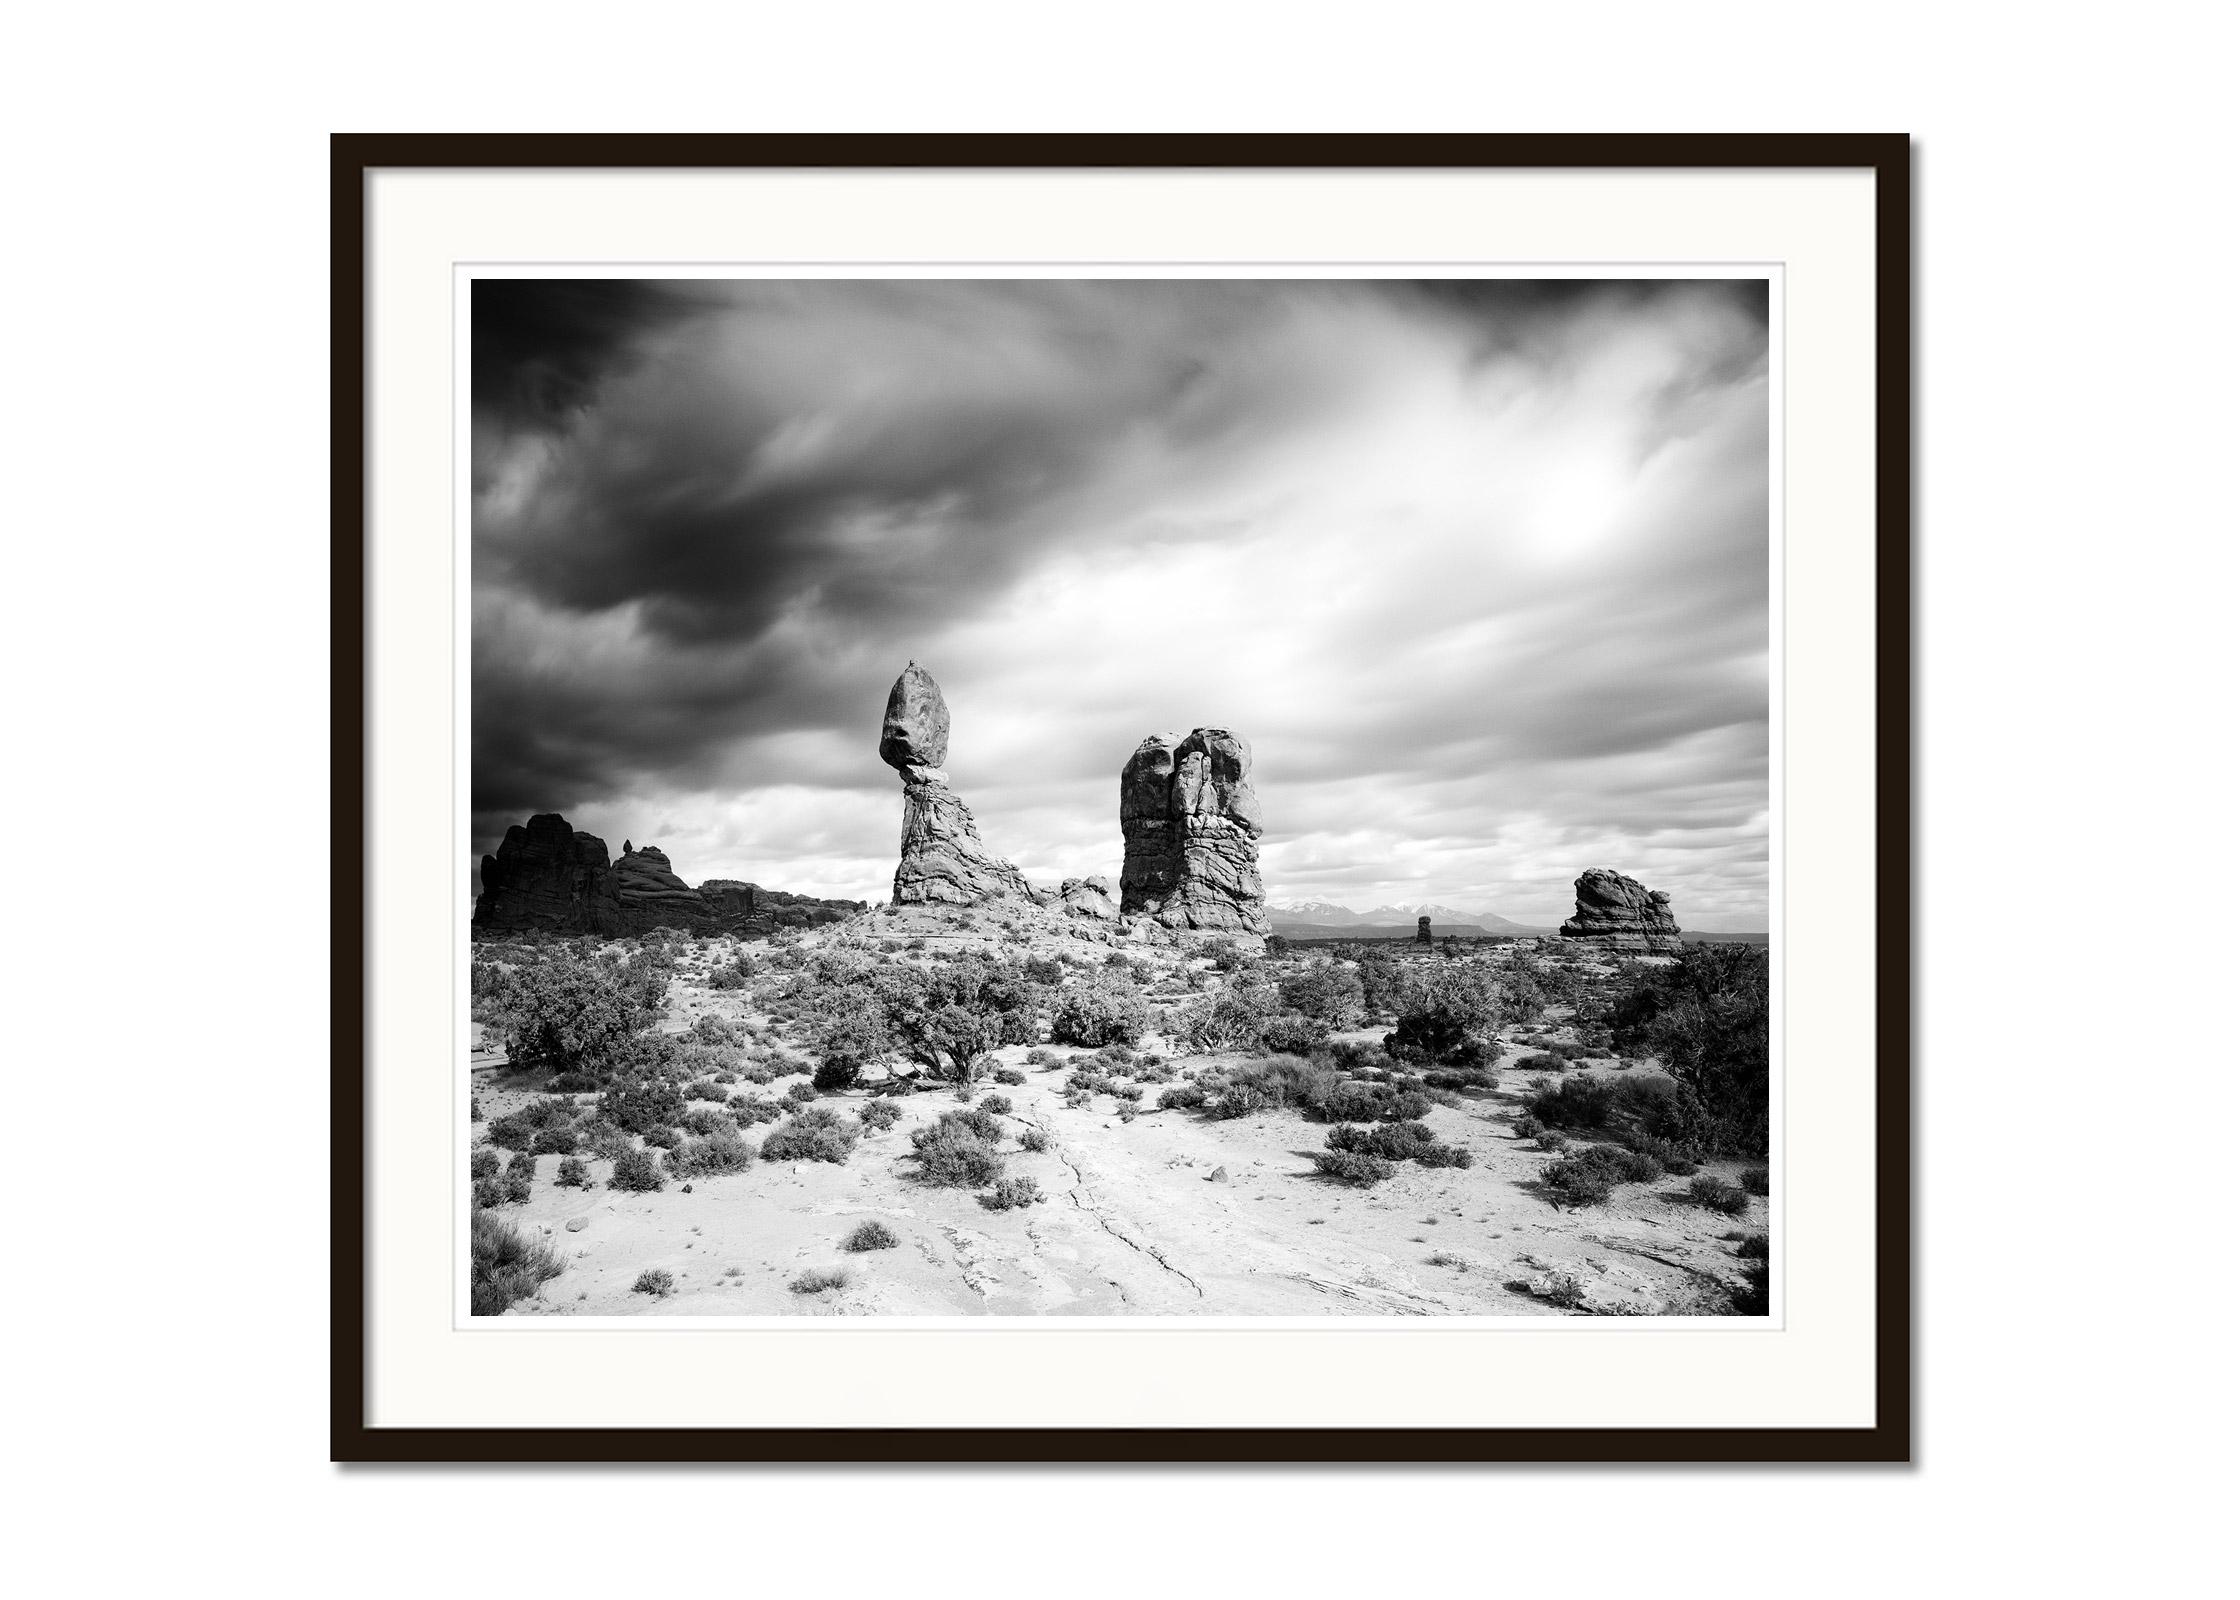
x=1617 y=912
x=943 y=861
x=549 y=877
x=1190 y=833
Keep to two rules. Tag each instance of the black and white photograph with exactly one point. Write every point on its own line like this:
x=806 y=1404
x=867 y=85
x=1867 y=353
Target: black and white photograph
x=1120 y=797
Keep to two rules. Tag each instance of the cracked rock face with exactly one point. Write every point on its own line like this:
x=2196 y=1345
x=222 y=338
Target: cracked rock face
x=1190 y=829
x=943 y=861
x=1615 y=911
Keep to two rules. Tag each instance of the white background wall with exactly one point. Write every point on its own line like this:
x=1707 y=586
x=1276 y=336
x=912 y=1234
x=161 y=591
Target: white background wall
x=164 y=417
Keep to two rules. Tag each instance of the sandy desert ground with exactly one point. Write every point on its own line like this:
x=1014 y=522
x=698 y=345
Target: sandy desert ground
x=1166 y=1213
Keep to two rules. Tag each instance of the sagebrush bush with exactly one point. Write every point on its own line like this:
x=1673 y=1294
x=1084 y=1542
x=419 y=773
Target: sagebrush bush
x=1754 y=1247
x=662 y=1138
x=818 y=1279
x=1350 y=1166
x=834 y=1075
x=635 y=1170
x=871 y=1235
x=814 y=1133
x=1033 y=1140
x=483 y=1163
x=952 y=1155
x=1755 y=1180
x=1094 y=1014
x=508 y=1265
x=1010 y=1194
x=1714 y=1193
x=706 y=1120
x=801 y=1093
x=656 y=1281
x=1010 y=1077
x=751 y=1110
x=1294 y=1035
x=706 y=1089
x=996 y=1105
x=573 y=1174
x=1593 y=1175
x=555 y=1142
x=710 y=1156
x=880 y=1115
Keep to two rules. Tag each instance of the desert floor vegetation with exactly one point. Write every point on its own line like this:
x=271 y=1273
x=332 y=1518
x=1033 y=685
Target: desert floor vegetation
x=990 y=1114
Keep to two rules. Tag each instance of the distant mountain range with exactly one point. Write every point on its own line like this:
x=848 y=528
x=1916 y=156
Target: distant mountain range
x=1325 y=918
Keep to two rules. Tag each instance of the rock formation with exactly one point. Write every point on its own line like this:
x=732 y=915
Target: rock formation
x=655 y=897
x=1088 y=897
x=1423 y=930
x=549 y=877
x=1615 y=911
x=943 y=861
x=1190 y=833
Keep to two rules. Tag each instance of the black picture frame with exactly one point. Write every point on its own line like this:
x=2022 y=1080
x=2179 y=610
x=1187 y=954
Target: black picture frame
x=355 y=156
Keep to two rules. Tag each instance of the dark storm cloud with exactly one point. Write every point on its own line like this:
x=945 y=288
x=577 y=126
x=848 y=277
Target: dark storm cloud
x=1498 y=540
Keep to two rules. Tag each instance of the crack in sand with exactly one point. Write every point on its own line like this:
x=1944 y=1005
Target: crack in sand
x=1105 y=1222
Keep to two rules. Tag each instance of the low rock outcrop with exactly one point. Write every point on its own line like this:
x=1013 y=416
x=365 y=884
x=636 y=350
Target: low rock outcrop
x=549 y=878
x=1618 y=913
x=943 y=861
x=1190 y=833
x=1088 y=897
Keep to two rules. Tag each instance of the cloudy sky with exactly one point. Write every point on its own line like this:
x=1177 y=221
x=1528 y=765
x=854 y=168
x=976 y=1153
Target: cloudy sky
x=1479 y=568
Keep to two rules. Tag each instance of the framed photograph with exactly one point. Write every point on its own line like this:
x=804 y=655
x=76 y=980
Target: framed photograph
x=1121 y=798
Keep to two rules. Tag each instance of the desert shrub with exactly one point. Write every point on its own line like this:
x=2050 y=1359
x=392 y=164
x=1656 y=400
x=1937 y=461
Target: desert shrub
x=1041 y=1058
x=483 y=1163
x=1754 y=1247
x=508 y=1265
x=954 y=1154
x=635 y=1170
x=1228 y=957
x=1753 y=1296
x=1442 y=1011
x=1182 y=1097
x=1755 y=1180
x=1010 y=1077
x=1395 y=1141
x=517 y=1131
x=872 y=1235
x=1676 y=1159
x=818 y=1279
x=1010 y=1194
x=1231 y=1018
x=1541 y=1061
x=572 y=1083
x=1472 y=1077
x=1093 y=1014
x=1593 y=1174
x=979 y=1123
x=749 y=1110
x=572 y=1013
x=706 y=1089
x=656 y=1281
x=832 y=1076
x=610 y=1144
x=555 y=1142
x=641 y=1102
x=709 y=1156
x=662 y=1138
x=1574 y=1103
x=1706 y=1018
x=948 y=1016
x=996 y=1105
x=1326 y=991
x=1295 y=1035
x=706 y=1120
x=573 y=1174
x=1033 y=1139
x=814 y=1133
x=801 y=1093
x=1349 y=1166
x=880 y=1115
x=1445 y=1155
x=1716 y=1194
x=1044 y=969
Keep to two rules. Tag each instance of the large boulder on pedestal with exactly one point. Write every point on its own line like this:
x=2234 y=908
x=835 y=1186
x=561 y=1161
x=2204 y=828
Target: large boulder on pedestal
x=943 y=860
